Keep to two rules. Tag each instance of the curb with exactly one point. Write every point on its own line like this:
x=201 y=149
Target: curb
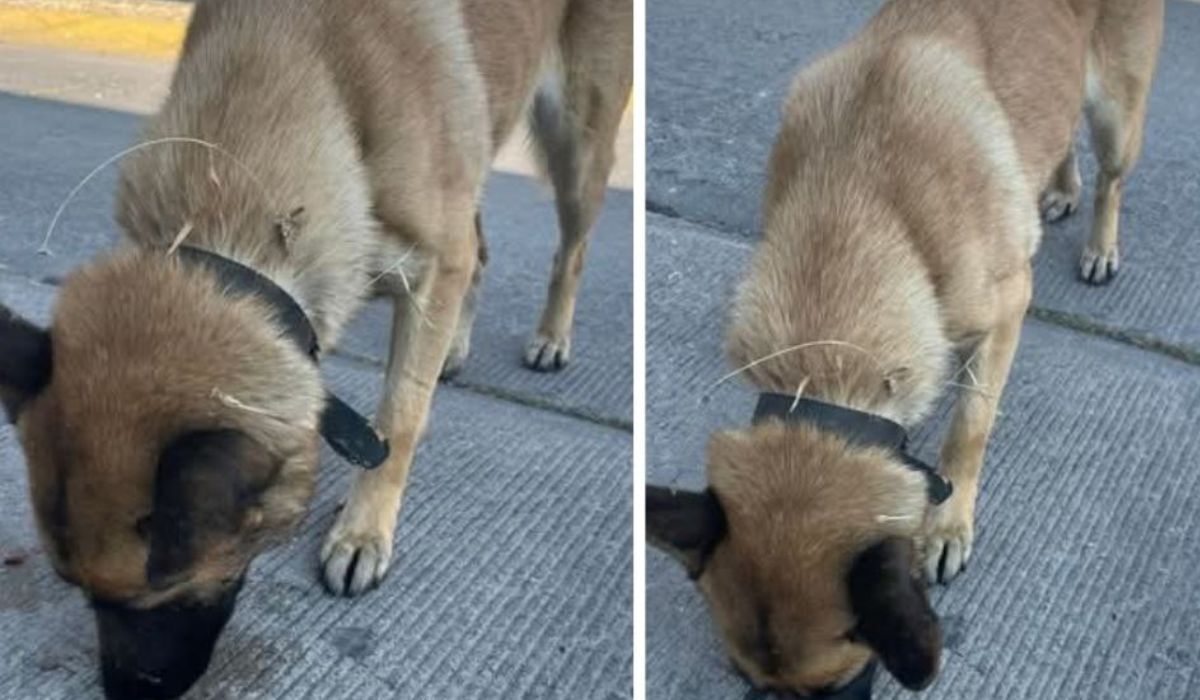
x=138 y=28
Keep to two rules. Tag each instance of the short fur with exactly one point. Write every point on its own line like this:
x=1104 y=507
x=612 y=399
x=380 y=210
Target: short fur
x=350 y=143
x=901 y=215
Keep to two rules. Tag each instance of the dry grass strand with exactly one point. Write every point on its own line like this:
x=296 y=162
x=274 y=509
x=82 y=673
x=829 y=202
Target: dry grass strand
x=45 y=247
x=801 y=346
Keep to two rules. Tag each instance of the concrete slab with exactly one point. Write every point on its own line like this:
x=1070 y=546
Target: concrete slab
x=511 y=578
x=712 y=114
x=51 y=146
x=1083 y=582
x=98 y=80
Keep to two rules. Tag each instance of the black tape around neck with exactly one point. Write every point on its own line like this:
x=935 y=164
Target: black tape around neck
x=857 y=427
x=344 y=429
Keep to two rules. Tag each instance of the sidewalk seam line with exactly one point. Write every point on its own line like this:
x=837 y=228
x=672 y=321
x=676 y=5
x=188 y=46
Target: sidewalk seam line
x=1135 y=339
x=515 y=397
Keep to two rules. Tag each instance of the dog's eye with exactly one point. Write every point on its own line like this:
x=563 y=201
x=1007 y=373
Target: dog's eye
x=143 y=527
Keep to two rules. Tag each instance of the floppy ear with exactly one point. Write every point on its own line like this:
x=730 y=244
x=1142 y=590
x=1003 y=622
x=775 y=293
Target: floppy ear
x=205 y=485
x=684 y=524
x=894 y=615
x=24 y=361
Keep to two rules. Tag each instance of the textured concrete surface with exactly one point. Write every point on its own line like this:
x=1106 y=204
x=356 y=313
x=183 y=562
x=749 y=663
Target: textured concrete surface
x=1083 y=581
x=513 y=563
x=712 y=116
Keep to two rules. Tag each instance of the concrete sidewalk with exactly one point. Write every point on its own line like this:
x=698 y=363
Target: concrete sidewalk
x=513 y=568
x=1083 y=583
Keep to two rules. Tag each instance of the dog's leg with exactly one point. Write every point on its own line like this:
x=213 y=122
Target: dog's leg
x=460 y=347
x=575 y=133
x=358 y=549
x=1061 y=198
x=1120 y=70
x=950 y=531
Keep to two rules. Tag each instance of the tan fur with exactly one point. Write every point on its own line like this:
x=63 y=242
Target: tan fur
x=901 y=214
x=353 y=141
x=800 y=504
x=128 y=377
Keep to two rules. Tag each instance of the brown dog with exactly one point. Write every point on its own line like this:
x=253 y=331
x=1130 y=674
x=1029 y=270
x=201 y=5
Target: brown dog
x=169 y=418
x=901 y=215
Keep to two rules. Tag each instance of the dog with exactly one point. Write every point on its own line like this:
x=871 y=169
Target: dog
x=900 y=218
x=310 y=154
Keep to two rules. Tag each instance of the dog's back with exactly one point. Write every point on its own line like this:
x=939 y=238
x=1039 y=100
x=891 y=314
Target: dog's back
x=903 y=184
x=356 y=113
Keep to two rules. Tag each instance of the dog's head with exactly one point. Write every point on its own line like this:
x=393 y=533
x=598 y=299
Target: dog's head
x=169 y=436
x=803 y=547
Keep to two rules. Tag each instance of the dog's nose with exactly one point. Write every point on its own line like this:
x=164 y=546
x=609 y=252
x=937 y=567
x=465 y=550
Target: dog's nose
x=120 y=684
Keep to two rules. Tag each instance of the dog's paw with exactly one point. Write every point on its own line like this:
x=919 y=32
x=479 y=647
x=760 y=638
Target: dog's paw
x=456 y=359
x=354 y=559
x=545 y=354
x=1056 y=204
x=948 y=539
x=1098 y=267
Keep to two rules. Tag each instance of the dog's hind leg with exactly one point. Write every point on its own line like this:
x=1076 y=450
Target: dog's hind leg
x=460 y=347
x=358 y=549
x=1120 y=70
x=575 y=132
x=950 y=530
x=1061 y=197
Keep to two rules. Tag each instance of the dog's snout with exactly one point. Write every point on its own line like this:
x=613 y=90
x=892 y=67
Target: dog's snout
x=134 y=684
x=148 y=654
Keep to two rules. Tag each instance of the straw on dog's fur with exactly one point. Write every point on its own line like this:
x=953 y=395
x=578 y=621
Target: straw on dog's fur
x=801 y=346
x=45 y=247
x=286 y=223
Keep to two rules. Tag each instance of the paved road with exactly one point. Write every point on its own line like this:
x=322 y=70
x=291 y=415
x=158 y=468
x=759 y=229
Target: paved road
x=1084 y=578
x=513 y=568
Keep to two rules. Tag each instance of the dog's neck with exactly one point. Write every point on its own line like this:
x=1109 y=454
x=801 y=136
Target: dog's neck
x=808 y=321
x=346 y=431
x=290 y=200
x=856 y=427
x=840 y=375
x=272 y=249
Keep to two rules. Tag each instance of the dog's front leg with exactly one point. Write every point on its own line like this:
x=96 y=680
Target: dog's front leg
x=950 y=530
x=358 y=549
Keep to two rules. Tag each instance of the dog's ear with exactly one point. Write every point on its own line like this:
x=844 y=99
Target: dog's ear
x=684 y=524
x=894 y=615
x=25 y=361
x=206 y=484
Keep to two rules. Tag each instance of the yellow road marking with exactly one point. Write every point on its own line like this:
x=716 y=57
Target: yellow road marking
x=101 y=32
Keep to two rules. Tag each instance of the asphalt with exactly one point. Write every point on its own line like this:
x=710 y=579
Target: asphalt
x=1083 y=581
x=512 y=575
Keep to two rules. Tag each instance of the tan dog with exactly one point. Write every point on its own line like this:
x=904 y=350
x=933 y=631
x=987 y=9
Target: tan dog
x=901 y=215
x=170 y=424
